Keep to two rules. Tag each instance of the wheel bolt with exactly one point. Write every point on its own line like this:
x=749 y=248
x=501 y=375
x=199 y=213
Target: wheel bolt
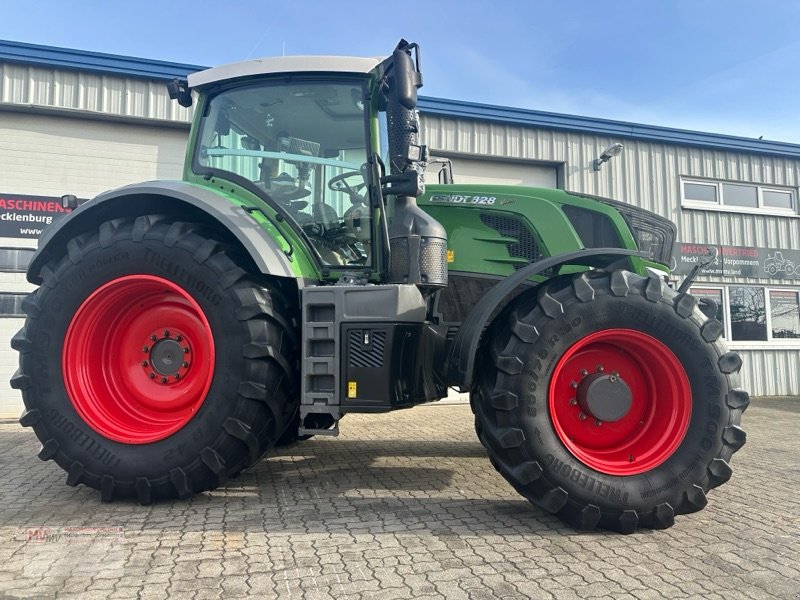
x=163 y=380
x=186 y=351
x=177 y=375
x=153 y=338
x=152 y=375
x=166 y=333
x=144 y=363
x=613 y=379
x=584 y=372
x=178 y=338
x=574 y=385
x=573 y=401
x=582 y=416
x=145 y=349
x=185 y=365
x=598 y=422
x=600 y=368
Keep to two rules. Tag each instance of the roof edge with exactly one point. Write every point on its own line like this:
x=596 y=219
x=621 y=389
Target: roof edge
x=605 y=127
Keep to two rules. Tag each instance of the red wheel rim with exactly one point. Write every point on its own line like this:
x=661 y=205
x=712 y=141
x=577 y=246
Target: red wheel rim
x=660 y=401
x=138 y=359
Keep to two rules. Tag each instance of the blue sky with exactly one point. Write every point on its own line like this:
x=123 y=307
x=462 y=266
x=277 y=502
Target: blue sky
x=727 y=66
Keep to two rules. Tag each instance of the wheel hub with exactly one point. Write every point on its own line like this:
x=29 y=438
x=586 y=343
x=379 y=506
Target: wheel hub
x=166 y=359
x=604 y=397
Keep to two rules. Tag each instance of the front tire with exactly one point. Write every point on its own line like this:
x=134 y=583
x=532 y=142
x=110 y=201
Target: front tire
x=152 y=365
x=612 y=401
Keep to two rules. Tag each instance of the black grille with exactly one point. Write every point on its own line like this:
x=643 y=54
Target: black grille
x=595 y=229
x=526 y=245
x=369 y=355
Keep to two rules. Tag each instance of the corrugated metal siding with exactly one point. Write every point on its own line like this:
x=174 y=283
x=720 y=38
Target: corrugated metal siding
x=74 y=90
x=648 y=174
x=771 y=372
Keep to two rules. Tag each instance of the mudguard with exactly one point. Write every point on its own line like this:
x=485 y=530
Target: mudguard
x=461 y=356
x=153 y=197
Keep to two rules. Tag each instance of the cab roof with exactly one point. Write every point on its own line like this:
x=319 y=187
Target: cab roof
x=284 y=64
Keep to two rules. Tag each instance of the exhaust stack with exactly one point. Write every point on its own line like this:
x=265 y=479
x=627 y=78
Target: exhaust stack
x=417 y=241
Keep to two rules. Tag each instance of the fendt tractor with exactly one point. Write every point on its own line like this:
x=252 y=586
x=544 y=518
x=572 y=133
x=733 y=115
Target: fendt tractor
x=302 y=270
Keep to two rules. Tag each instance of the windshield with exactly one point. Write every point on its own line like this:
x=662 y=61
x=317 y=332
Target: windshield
x=303 y=145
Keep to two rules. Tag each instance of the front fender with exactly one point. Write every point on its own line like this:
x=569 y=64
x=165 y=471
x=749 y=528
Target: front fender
x=184 y=201
x=461 y=355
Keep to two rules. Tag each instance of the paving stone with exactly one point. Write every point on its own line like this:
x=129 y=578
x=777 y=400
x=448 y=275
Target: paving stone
x=403 y=505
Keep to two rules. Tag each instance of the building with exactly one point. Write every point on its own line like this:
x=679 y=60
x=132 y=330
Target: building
x=83 y=122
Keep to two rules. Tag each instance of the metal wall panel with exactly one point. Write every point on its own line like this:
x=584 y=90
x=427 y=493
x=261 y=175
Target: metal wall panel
x=771 y=372
x=76 y=90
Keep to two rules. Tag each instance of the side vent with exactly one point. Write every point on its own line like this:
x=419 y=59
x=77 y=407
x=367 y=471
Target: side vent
x=526 y=246
x=366 y=348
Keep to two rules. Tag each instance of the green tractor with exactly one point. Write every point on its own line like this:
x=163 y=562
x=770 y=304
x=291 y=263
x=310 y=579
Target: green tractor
x=302 y=271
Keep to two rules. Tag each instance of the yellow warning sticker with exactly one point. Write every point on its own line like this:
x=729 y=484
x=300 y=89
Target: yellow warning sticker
x=451 y=256
x=352 y=389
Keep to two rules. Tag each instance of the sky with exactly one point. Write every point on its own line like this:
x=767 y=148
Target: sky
x=723 y=66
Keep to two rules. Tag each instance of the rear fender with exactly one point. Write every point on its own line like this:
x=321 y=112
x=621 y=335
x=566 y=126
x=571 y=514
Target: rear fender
x=461 y=356
x=182 y=200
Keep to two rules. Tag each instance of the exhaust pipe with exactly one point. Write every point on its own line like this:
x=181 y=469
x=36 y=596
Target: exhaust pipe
x=417 y=241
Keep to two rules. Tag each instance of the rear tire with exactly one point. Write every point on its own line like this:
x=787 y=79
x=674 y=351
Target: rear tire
x=130 y=415
x=662 y=447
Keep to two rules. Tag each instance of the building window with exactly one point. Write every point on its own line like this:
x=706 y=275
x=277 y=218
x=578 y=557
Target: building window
x=784 y=310
x=748 y=314
x=737 y=197
x=716 y=296
x=755 y=314
x=11 y=305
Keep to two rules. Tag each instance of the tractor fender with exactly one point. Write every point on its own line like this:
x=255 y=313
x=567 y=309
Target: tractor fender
x=176 y=198
x=461 y=355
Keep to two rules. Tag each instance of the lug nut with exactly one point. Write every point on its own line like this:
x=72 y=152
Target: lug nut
x=177 y=375
x=598 y=422
x=153 y=338
x=145 y=349
x=144 y=363
x=573 y=401
x=574 y=385
x=178 y=338
x=185 y=365
x=582 y=416
x=166 y=333
x=600 y=368
x=163 y=380
x=186 y=350
x=152 y=375
x=584 y=372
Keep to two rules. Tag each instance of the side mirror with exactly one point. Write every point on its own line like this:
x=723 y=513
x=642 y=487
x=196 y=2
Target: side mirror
x=407 y=76
x=178 y=89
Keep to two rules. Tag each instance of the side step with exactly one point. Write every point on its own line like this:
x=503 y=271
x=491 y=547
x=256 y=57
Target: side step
x=331 y=432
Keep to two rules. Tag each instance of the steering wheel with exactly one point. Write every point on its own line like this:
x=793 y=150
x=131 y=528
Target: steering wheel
x=339 y=184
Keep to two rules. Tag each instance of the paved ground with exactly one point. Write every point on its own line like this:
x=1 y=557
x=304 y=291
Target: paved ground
x=403 y=505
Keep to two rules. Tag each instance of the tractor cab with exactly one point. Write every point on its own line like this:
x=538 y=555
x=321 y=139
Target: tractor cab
x=300 y=142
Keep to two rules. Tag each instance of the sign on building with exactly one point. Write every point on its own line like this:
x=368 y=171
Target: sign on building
x=24 y=216
x=740 y=261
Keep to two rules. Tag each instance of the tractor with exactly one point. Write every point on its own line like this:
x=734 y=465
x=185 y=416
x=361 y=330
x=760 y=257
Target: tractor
x=302 y=270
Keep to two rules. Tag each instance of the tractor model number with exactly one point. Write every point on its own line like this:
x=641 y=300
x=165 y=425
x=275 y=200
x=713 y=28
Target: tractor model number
x=460 y=199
